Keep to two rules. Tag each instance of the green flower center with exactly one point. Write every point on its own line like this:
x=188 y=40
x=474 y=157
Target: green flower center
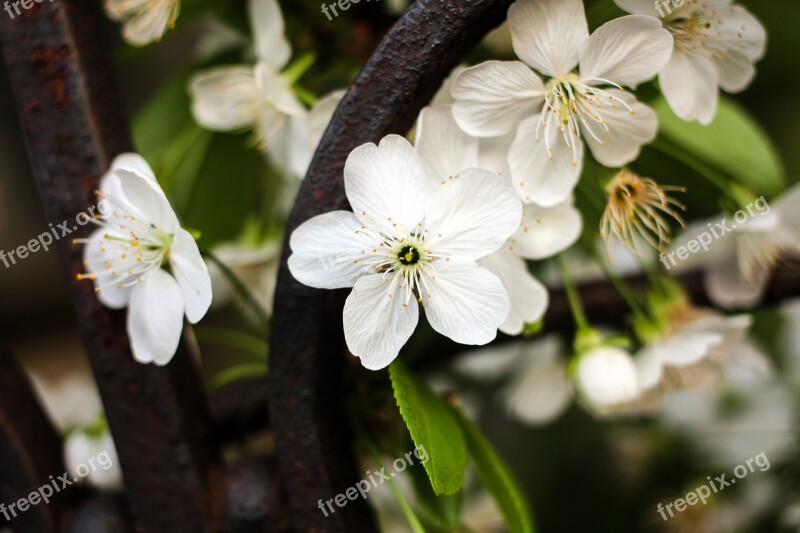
x=408 y=255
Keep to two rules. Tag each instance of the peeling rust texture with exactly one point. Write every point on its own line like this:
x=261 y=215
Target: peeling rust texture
x=30 y=452
x=73 y=125
x=314 y=449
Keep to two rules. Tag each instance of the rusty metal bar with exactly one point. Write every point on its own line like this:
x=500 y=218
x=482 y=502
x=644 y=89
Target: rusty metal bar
x=74 y=126
x=315 y=453
x=30 y=452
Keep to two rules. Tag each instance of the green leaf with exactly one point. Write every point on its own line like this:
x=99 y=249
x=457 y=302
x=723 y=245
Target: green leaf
x=227 y=190
x=734 y=144
x=232 y=338
x=433 y=427
x=497 y=478
x=162 y=119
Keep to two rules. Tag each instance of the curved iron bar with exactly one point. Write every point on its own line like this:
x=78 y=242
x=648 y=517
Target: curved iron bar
x=315 y=455
x=73 y=125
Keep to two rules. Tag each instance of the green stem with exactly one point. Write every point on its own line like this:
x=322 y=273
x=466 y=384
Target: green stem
x=240 y=288
x=572 y=294
x=305 y=96
x=297 y=68
x=622 y=288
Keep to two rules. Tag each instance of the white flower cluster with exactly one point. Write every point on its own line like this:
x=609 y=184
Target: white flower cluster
x=450 y=221
x=438 y=224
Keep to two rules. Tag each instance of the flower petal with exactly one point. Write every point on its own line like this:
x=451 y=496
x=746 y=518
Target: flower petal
x=80 y=447
x=278 y=91
x=493 y=154
x=528 y=298
x=606 y=378
x=486 y=365
x=689 y=84
x=742 y=33
x=649 y=367
x=288 y=148
x=271 y=44
x=548 y=34
x=546 y=231
x=627 y=132
x=734 y=72
x=444 y=96
x=155 y=318
x=464 y=302
x=472 y=215
x=136 y=163
x=111 y=295
x=493 y=97
x=689 y=347
x=540 y=393
x=627 y=51
x=538 y=176
x=149 y=199
x=387 y=185
x=150 y=24
x=225 y=98
x=192 y=275
x=272 y=131
x=328 y=249
x=293 y=144
x=443 y=147
x=320 y=116
x=717 y=251
x=728 y=288
x=376 y=322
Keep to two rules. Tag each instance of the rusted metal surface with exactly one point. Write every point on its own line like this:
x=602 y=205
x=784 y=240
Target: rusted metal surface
x=73 y=125
x=30 y=452
x=255 y=501
x=314 y=449
x=102 y=513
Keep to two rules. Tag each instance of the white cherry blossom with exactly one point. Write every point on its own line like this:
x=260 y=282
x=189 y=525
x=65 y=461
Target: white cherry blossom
x=446 y=150
x=256 y=266
x=141 y=258
x=539 y=391
x=94 y=455
x=716 y=46
x=583 y=102
x=244 y=97
x=738 y=264
x=690 y=350
x=606 y=378
x=144 y=21
x=411 y=237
